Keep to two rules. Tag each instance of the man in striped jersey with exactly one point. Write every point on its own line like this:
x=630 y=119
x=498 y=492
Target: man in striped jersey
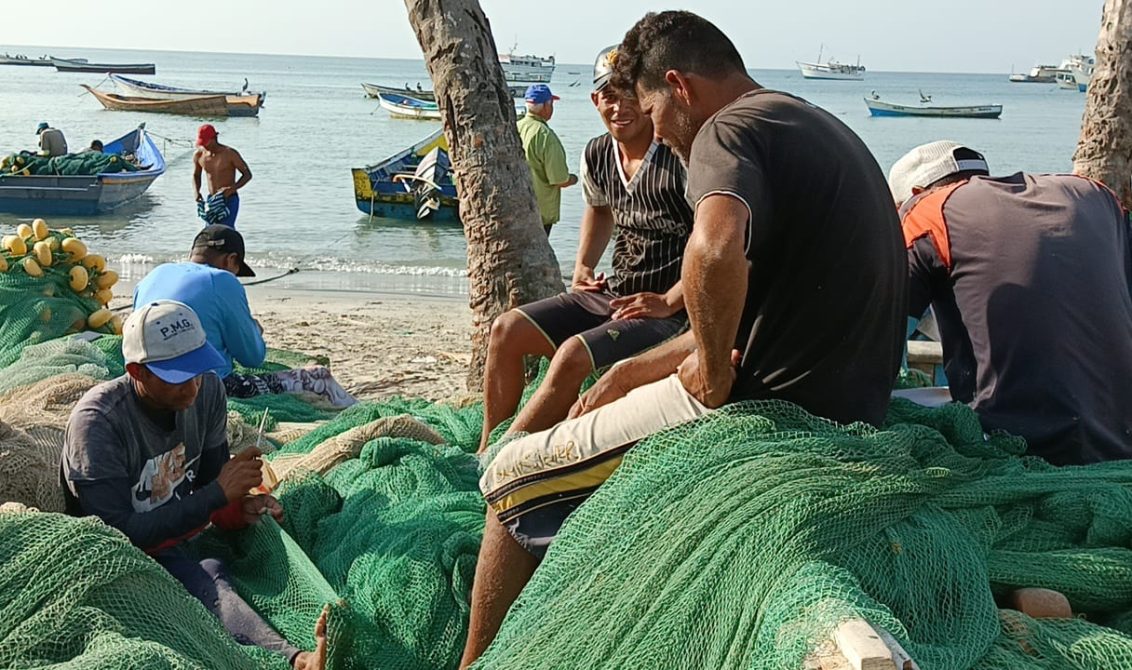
x=633 y=185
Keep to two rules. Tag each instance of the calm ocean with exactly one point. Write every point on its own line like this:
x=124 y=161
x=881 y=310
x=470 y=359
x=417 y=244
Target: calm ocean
x=299 y=209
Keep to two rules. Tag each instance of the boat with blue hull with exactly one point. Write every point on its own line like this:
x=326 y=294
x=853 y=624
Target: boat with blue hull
x=415 y=184
x=43 y=195
x=878 y=107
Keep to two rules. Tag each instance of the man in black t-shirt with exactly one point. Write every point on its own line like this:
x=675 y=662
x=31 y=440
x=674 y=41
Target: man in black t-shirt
x=794 y=281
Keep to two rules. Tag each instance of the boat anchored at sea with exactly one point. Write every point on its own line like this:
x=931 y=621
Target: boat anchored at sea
x=878 y=107
x=522 y=71
x=832 y=69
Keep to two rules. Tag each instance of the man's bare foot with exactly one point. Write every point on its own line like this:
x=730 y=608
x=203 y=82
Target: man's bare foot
x=315 y=660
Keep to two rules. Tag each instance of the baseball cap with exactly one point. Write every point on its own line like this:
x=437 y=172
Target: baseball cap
x=928 y=163
x=43 y=125
x=539 y=93
x=226 y=240
x=205 y=134
x=603 y=67
x=167 y=337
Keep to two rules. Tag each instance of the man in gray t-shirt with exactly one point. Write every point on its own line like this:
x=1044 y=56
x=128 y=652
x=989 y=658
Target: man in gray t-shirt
x=148 y=454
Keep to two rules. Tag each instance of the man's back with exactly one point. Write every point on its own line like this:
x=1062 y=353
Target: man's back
x=1030 y=277
x=823 y=323
x=547 y=160
x=218 y=299
x=52 y=142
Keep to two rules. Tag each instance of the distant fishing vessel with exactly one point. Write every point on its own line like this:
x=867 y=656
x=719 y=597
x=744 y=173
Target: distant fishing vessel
x=20 y=59
x=1077 y=72
x=528 y=69
x=200 y=106
x=375 y=90
x=146 y=89
x=1039 y=74
x=832 y=69
x=76 y=65
x=878 y=107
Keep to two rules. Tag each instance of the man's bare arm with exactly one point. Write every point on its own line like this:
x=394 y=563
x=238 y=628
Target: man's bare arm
x=714 y=275
x=646 y=368
x=597 y=229
x=197 y=170
x=244 y=170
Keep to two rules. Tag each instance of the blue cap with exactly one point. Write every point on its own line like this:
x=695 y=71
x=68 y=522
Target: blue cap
x=41 y=127
x=539 y=93
x=167 y=337
x=187 y=366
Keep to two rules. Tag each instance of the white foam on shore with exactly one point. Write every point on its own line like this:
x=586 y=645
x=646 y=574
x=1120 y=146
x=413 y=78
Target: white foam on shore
x=136 y=266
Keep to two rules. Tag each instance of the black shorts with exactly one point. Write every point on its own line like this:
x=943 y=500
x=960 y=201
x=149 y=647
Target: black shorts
x=587 y=317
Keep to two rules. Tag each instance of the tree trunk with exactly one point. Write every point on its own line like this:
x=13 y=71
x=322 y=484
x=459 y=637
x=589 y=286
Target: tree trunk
x=1104 y=151
x=510 y=261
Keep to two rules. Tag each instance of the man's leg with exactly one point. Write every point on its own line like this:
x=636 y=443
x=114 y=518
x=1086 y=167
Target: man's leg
x=513 y=336
x=536 y=481
x=504 y=568
x=208 y=582
x=579 y=356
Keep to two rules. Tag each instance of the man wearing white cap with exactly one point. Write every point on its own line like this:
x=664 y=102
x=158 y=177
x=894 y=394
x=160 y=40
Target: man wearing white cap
x=148 y=454
x=1029 y=278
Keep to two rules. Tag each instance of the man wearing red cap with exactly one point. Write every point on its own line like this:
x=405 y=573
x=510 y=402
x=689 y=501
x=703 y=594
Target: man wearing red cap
x=220 y=163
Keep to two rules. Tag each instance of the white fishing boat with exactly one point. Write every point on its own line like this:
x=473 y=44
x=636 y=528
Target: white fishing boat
x=878 y=107
x=1039 y=74
x=832 y=69
x=1078 y=72
x=528 y=69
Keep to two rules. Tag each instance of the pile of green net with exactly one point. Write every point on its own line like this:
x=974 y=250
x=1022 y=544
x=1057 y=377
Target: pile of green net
x=84 y=163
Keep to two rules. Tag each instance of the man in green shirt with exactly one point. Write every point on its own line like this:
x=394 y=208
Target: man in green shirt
x=545 y=154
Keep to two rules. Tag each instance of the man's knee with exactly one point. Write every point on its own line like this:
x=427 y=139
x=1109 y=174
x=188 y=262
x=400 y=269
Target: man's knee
x=511 y=329
x=214 y=569
x=572 y=361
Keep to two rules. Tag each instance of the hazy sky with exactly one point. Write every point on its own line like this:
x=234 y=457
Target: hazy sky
x=915 y=35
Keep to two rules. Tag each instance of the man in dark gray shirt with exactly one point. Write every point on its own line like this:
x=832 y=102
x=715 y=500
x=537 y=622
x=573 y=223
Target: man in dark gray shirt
x=148 y=454
x=1029 y=278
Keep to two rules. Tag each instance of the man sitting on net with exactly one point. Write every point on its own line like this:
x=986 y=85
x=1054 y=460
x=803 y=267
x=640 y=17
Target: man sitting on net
x=208 y=284
x=634 y=192
x=148 y=454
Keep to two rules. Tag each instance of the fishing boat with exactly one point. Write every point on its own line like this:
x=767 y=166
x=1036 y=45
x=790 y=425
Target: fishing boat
x=41 y=195
x=878 y=107
x=831 y=69
x=20 y=59
x=1039 y=74
x=374 y=90
x=145 y=89
x=404 y=107
x=414 y=184
x=528 y=69
x=201 y=106
x=76 y=65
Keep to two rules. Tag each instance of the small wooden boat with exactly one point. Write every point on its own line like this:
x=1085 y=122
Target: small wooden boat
x=202 y=106
x=41 y=195
x=20 y=59
x=375 y=90
x=878 y=107
x=404 y=107
x=414 y=184
x=146 y=89
x=75 y=65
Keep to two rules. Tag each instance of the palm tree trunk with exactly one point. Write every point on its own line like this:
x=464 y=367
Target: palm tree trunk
x=510 y=261
x=1104 y=151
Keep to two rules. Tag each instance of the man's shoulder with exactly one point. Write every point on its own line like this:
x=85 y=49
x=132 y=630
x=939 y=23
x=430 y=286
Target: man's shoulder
x=109 y=400
x=600 y=144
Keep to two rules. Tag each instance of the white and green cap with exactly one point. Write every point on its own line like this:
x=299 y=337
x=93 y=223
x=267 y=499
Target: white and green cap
x=167 y=337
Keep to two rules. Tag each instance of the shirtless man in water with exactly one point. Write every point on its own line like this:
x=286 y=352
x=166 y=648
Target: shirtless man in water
x=220 y=163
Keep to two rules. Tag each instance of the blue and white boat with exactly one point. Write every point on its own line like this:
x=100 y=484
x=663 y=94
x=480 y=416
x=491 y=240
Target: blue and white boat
x=406 y=107
x=43 y=195
x=415 y=184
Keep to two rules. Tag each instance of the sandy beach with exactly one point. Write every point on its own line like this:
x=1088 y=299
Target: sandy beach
x=379 y=344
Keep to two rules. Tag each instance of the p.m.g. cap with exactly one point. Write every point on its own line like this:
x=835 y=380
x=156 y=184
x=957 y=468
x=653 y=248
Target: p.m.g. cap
x=206 y=133
x=539 y=93
x=226 y=240
x=167 y=337
x=603 y=67
x=928 y=163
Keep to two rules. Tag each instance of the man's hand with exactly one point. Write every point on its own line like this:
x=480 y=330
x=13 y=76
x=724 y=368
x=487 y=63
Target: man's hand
x=200 y=198
x=642 y=306
x=228 y=191
x=613 y=385
x=586 y=282
x=711 y=393
x=255 y=506
x=241 y=474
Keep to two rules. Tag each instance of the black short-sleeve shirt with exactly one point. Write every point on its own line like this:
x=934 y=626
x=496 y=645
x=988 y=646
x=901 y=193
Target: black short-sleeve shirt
x=824 y=320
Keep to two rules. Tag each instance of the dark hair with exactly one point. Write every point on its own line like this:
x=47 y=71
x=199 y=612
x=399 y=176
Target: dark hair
x=673 y=40
x=96 y=144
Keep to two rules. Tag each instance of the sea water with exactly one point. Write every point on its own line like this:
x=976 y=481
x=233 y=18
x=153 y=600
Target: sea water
x=299 y=210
